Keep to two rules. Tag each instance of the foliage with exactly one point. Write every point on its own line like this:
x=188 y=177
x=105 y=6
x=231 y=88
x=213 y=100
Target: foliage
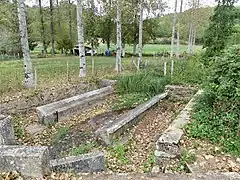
x=217 y=112
x=84 y=148
x=119 y=151
x=220 y=28
x=189 y=71
x=61 y=133
x=129 y=101
x=149 y=163
x=150 y=83
x=164 y=24
x=139 y=87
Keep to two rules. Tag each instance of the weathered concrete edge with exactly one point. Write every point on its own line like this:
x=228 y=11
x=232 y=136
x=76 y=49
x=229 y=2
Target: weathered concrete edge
x=44 y=114
x=164 y=176
x=75 y=98
x=66 y=164
x=174 y=132
x=106 y=132
x=107 y=82
x=7 y=136
x=30 y=161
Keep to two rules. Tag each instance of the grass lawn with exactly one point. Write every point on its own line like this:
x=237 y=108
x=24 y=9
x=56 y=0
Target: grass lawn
x=51 y=71
x=149 y=48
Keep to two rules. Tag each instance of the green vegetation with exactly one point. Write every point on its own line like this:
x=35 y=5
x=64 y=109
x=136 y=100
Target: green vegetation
x=61 y=133
x=216 y=114
x=82 y=149
x=220 y=28
x=119 y=151
x=139 y=87
x=18 y=127
x=190 y=71
x=149 y=163
x=186 y=157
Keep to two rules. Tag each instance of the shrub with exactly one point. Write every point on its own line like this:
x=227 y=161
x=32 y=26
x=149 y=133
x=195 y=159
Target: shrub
x=217 y=111
x=189 y=71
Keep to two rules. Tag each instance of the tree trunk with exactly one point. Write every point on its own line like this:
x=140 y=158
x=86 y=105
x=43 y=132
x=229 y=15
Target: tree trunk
x=140 y=35
x=52 y=27
x=108 y=43
x=59 y=22
x=174 y=28
x=70 y=22
x=195 y=28
x=28 y=80
x=134 y=48
x=82 y=67
x=59 y=19
x=119 y=38
x=190 y=38
x=43 y=33
x=191 y=30
x=178 y=32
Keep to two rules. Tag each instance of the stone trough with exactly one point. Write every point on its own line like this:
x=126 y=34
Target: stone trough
x=6 y=131
x=60 y=110
x=29 y=161
x=167 y=146
x=92 y=162
x=118 y=125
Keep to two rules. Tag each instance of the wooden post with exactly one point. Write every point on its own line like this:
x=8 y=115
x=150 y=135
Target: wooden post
x=165 y=68
x=172 y=67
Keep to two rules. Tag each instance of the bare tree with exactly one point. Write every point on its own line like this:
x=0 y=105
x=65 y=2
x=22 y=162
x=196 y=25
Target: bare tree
x=174 y=28
x=43 y=32
x=28 y=75
x=52 y=27
x=70 y=22
x=82 y=67
x=119 y=36
x=173 y=36
x=140 y=41
x=178 y=32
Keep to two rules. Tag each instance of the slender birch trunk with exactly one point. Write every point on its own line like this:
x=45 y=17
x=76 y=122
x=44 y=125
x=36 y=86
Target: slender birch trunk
x=28 y=75
x=190 y=37
x=70 y=22
x=119 y=38
x=59 y=21
x=191 y=30
x=43 y=32
x=178 y=32
x=195 y=28
x=82 y=57
x=174 y=28
x=52 y=27
x=140 y=35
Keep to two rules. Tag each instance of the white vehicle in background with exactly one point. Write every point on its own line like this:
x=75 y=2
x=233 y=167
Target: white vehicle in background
x=88 y=51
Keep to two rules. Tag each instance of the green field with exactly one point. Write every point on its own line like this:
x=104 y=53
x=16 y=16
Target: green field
x=149 y=48
x=61 y=69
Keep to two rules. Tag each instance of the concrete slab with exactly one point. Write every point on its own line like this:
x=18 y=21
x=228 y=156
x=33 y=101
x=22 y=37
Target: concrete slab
x=7 y=136
x=60 y=110
x=107 y=132
x=92 y=162
x=29 y=161
x=167 y=145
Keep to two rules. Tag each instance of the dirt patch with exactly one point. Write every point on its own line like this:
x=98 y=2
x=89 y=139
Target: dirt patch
x=25 y=101
x=139 y=150
x=209 y=157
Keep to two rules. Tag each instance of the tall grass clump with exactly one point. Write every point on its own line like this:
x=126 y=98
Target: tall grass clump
x=139 y=87
x=149 y=83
